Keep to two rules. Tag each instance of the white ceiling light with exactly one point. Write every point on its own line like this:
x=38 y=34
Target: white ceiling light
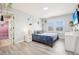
x=45 y=8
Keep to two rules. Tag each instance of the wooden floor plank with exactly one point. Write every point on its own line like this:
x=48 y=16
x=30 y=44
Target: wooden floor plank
x=34 y=48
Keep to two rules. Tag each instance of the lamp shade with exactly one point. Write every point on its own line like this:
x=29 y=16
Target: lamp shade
x=26 y=30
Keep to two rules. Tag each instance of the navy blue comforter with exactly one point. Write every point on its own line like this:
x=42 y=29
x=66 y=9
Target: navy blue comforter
x=44 y=39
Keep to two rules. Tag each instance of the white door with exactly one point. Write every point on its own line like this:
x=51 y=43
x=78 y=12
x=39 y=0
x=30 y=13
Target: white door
x=11 y=29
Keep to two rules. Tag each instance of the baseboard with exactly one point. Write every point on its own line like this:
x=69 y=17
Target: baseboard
x=18 y=41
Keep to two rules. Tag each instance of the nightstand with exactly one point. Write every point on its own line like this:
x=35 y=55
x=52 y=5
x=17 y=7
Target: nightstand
x=28 y=37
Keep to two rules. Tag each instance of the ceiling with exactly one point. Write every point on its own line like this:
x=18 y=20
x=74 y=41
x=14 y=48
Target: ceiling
x=54 y=9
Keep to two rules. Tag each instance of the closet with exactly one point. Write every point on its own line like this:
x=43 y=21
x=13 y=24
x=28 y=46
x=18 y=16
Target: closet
x=6 y=30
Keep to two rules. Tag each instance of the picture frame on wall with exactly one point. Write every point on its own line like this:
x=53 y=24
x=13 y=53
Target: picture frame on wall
x=45 y=21
x=30 y=24
x=38 y=22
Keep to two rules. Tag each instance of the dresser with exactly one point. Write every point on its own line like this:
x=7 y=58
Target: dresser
x=71 y=41
x=28 y=36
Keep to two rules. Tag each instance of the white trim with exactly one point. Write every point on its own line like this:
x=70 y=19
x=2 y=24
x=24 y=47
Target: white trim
x=18 y=41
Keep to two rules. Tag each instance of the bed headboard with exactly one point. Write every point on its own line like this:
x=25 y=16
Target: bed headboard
x=38 y=32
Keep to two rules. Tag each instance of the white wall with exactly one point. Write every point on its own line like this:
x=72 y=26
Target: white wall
x=36 y=26
x=21 y=22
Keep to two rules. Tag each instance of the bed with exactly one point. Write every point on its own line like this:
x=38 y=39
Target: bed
x=46 y=38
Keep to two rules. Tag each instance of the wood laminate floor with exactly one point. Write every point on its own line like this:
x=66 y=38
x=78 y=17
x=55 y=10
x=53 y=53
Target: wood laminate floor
x=34 y=48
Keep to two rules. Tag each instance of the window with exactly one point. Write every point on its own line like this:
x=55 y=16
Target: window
x=57 y=24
